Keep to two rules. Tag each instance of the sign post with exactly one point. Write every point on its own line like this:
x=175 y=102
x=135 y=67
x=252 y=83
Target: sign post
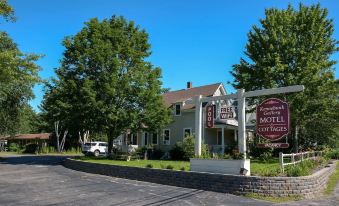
x=241 y=96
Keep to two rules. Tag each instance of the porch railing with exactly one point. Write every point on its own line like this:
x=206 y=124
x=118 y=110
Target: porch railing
x=296 y=158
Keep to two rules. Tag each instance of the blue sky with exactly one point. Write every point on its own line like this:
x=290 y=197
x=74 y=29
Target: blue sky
x=191 y=40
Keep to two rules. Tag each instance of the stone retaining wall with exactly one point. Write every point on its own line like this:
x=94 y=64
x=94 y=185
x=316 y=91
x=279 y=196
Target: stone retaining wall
x=307 y=186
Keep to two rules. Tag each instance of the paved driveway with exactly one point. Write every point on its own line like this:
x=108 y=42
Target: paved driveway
x=41 y=180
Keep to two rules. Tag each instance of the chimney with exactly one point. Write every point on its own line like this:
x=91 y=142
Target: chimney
x=189 y=85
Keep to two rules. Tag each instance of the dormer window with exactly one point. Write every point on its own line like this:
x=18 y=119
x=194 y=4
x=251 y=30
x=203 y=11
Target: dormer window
x=177 y=110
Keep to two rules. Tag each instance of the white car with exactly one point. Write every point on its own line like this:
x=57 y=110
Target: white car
x=95 y=148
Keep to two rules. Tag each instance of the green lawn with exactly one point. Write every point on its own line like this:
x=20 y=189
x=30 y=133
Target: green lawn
x=158 y=164
x=273 y=199
x=270 y=168
x=8 y=153
x=332 y=181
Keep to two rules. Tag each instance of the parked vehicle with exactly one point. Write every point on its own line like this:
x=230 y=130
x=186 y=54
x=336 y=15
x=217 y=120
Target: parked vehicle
x=95 y=148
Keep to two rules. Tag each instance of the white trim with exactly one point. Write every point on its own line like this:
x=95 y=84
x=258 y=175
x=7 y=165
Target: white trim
x=223 y=90
x=175 y=109
x=183 y=131
x=169 y=137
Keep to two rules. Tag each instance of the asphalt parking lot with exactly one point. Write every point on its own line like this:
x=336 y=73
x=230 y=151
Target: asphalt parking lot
x=41 y=180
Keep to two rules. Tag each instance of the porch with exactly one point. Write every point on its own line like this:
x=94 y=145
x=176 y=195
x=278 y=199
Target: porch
x=221 y=138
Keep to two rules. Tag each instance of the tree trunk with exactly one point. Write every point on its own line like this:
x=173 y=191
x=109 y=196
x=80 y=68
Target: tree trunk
x=62 y=144
x=83 y=138
x=57 y=134
x=110 y=139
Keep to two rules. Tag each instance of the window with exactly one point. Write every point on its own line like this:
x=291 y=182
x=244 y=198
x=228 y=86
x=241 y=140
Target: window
x=132 y=139
x=146 y=138
x=90 y=144
x=154 y=138
x=166 y=136
x=177 y=111
x=103 y=144
x=187 y=132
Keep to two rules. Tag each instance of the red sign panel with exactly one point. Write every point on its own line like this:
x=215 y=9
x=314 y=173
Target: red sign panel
x=273 y=145
x=209 y=116
x=273 y=119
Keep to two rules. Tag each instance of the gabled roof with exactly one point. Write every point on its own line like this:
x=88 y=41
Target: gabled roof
x=171 y=98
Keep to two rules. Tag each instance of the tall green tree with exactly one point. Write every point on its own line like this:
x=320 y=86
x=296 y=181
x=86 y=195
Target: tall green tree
x=18 y=75
x=28 y=121
x=294 y=47
x=6 y=11
x=105 y=82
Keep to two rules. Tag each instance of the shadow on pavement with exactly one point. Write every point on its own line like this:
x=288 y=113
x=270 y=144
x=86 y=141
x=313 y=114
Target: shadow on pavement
x=33 y=160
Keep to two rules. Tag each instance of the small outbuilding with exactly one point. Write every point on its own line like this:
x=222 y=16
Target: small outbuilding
x=41 y=139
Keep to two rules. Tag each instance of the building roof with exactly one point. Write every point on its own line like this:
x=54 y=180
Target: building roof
x=27 y=136
x=171 y=98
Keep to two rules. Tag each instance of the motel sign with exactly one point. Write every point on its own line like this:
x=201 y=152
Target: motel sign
x=273 y=119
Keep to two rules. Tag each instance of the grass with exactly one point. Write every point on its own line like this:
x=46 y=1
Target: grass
x=9 y=153
x=332 y=181
x=269 y=168
x=273 y=199
x=156 y=164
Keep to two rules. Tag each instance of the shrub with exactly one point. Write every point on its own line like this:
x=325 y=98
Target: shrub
x=31 y=148
x=257 y=152
x=141 y=151
x=333 y=154
x=238 y=156
x=149 y=166
x=14 y=147
x=156 y=154
x=188 y=147
x=265 y=157
x=320 y=160
x=298 y=170
x=177 y=152
x=185 y=150
x=205 y=153
x=162 y=166
x=304 y=168
x=169 y=167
